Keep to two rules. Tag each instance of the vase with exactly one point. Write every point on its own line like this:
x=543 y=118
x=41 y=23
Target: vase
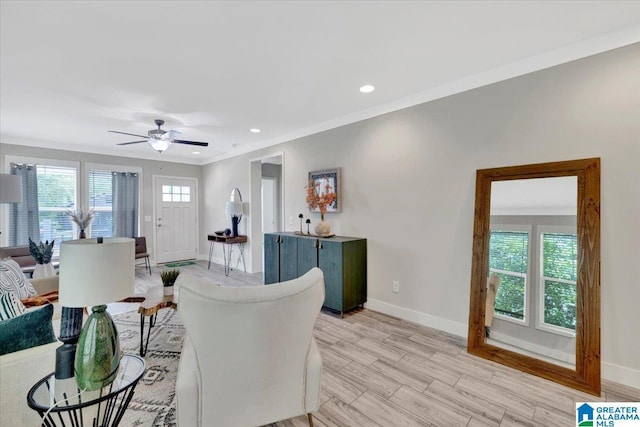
x=323 y=228
x=83 y=235
x=167 y=291
x=98 y=351
x=43 y=270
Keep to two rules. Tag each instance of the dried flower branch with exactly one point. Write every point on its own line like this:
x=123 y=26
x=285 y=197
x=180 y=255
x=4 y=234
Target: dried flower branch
x=81 y=218
x=317 y=199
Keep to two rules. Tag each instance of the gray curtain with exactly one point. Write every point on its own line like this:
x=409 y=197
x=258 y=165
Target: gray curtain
x=125 y=203
x=24 y=219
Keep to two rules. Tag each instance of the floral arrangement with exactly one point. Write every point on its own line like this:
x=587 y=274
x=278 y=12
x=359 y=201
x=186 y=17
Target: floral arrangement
x=82 y=218
x=169 y=277
x=317 y=199
x=43 y=252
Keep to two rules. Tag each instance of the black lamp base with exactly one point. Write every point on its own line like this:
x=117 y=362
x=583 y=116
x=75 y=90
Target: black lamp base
x=234 y=226
x=65 y=357
x=70 y=327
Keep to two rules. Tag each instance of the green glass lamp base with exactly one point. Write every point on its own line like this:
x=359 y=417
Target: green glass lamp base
x=98 y=351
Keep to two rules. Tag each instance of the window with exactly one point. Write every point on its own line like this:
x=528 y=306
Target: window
x=113 y=193
x=176 y=193
x=558 y=277
x=56 y=195
x=100 y=200
x=508 y=258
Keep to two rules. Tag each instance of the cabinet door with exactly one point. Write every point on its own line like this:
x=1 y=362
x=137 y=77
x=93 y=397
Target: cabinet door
x=330 y=262
x=288 y=258
x=307 y=254
x=271 y=258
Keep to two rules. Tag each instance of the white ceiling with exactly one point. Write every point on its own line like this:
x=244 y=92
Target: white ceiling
x=70 y=71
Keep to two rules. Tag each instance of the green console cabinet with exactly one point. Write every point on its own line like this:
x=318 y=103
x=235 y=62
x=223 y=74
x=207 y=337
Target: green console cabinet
x=343 y=260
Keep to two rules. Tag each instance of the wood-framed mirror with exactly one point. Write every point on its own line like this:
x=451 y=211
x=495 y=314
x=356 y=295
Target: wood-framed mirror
x=551 y=285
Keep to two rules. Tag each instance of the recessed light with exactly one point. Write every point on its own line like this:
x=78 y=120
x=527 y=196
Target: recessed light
x=195 y=152
x=367 y=89
x=254 y=130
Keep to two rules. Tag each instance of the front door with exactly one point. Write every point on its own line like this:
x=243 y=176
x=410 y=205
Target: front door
x=176 y=219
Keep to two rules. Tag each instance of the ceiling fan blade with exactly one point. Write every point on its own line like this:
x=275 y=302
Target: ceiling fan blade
x=130 y=134
x=132 y=142
x=170 y=135
x=182 y=141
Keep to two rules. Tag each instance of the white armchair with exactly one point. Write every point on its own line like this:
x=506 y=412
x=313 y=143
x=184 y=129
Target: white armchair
x=249 y=357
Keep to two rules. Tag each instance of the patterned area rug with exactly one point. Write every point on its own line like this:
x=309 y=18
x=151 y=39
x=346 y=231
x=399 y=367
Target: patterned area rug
x=153 y=402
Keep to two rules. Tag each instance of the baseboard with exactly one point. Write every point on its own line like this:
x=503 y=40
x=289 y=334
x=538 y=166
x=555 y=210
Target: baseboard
x=418 y=317
x=610 y=371
x=621 y=374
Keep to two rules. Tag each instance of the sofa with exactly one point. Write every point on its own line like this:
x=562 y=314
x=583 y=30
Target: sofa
x=20 y=370
x=23 y=257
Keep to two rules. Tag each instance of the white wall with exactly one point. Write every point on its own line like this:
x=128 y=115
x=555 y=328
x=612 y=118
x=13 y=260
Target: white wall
x=408 y=187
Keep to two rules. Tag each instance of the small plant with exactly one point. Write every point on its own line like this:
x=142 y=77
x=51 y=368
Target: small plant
x=43 y=252
x=169 y=277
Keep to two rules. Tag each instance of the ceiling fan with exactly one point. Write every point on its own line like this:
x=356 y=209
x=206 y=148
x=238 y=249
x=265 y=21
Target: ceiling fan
x=160 y=139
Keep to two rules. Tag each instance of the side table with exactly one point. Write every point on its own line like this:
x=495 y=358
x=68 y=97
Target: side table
x=150 y=303
x=60 y=402
x=227 y=241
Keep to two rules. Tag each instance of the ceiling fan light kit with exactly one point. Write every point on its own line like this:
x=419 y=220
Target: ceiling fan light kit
x=160 y=139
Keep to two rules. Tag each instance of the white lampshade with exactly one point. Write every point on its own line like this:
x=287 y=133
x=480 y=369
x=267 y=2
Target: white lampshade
x=93 y=273
x=10 y=188
x=234 y=208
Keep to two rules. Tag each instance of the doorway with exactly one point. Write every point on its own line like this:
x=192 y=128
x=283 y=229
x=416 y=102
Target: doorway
x=267 y=195
x=175 y=218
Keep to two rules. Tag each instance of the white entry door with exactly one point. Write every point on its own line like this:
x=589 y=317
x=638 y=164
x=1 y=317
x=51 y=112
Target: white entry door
x=176 y=219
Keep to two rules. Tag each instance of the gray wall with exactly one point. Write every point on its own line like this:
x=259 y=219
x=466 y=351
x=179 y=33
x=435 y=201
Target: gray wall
x=149 y=168
x=408 y=186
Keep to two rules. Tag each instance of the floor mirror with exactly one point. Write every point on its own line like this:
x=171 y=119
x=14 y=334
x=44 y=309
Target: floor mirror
x=535 y=280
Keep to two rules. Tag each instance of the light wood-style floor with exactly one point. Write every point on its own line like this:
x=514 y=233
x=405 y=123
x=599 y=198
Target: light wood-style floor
x=383 y=371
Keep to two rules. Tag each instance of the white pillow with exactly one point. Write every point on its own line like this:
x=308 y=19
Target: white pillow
x=10 y=306
x=12 y=279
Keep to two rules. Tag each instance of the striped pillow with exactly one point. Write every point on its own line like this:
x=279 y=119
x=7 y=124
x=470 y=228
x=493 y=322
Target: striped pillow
x=10 y=306
x=12 y=280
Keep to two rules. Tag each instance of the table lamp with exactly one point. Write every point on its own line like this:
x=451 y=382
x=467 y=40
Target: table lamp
x=94 y=272
x=10 y=189
x=234 y=209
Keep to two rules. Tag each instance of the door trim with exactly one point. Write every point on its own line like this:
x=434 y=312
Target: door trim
x=154 y=180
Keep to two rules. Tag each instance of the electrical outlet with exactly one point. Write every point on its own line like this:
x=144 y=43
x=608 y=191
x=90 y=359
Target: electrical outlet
x=395 y=287
x=290 y=220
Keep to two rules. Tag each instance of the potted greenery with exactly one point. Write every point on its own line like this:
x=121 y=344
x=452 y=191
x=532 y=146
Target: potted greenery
x=169 y=278
x=42 y=253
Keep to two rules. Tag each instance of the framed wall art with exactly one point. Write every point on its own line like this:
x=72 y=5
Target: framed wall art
x=332 y=178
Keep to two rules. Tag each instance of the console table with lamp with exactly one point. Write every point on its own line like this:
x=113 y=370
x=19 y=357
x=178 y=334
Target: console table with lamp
x=235 y=209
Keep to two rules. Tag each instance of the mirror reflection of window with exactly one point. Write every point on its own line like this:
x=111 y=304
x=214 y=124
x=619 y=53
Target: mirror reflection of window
x=509 y=259
x=533 y=250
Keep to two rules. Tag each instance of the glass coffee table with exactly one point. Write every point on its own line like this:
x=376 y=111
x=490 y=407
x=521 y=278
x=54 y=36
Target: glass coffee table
x=61 y=403
x=150 y=303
